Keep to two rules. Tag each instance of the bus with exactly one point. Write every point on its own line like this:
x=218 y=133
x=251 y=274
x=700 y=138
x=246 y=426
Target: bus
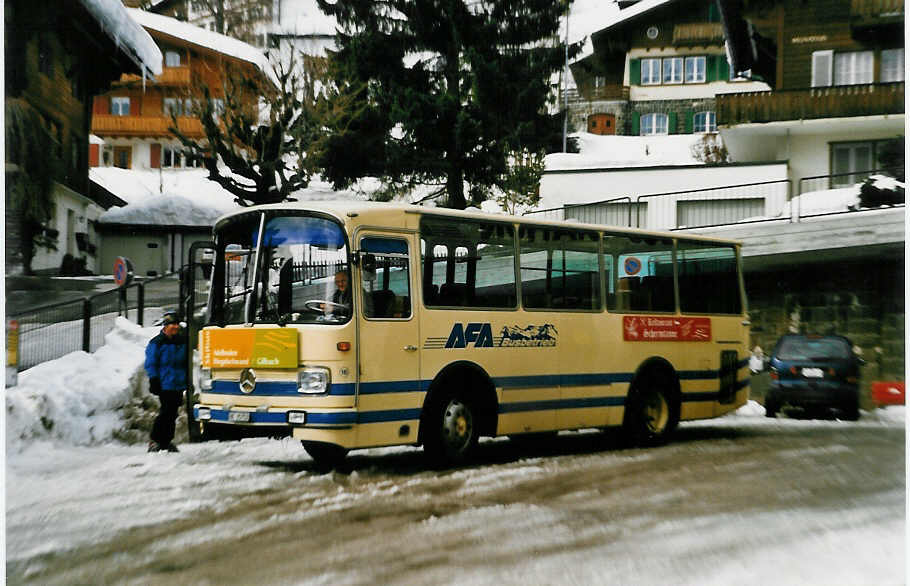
x=351 y=325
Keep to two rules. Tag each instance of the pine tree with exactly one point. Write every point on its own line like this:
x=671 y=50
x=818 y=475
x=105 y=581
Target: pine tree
x=447 y=89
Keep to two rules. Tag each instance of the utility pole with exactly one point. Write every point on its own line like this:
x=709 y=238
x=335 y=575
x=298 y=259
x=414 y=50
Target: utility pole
x=565 y=85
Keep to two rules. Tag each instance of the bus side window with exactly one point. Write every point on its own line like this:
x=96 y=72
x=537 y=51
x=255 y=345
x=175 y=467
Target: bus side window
x=386 y=289
x=644 y=273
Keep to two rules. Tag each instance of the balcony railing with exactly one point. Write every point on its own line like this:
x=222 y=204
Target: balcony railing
x=824 y=102
x=144 y=126
x=590 y=93
x=872 y=9
x=698 y=32
x=174 y=76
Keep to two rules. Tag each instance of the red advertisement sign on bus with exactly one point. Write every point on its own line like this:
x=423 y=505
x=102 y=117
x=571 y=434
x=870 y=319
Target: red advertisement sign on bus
x=660 y=328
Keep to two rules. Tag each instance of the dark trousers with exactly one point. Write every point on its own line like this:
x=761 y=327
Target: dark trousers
x=163 y=428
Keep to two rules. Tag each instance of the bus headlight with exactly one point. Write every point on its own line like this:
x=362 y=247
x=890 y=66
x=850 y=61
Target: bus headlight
x=205 y=379
x=313 y=380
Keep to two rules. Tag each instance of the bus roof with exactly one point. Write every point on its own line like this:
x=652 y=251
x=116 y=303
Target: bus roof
x=380 y=213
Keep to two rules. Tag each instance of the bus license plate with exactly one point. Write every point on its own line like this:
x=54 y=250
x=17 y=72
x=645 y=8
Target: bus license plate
x=813 y=373
x=239 y=416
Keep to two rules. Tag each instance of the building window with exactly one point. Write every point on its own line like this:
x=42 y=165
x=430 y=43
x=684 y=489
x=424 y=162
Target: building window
x=178 y=107
x=673 y=70
x=852 y=162
x=170 y=157
x=695 y=69
x=600 y=81
x=123 y=157
x=650 y=71
x=653 y=124
x=171 y=59
x=852 y=68
x=892 y=65
x=120 y=106
x=107 y=156
x=45 y=55
x=704 y=122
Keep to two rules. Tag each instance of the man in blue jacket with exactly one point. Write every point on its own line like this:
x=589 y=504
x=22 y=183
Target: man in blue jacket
x=165 y=364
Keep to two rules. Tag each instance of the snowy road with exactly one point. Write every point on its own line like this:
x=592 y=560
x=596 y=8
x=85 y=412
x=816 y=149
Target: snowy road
x=739 y=500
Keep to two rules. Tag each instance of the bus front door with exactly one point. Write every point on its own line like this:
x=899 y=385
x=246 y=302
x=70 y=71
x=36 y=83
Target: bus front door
x=388 y=395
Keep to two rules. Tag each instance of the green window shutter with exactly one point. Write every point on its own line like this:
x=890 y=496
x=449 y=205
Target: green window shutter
x=688 y=119
x=636 y=123
x=723 y=68
x=634 y=71
x=671 y=123
x=711 y=68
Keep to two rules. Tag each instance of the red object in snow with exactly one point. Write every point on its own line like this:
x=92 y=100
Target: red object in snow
x=888 y=393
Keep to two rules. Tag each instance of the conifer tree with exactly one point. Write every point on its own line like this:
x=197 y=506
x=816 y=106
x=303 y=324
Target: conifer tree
x=447 y=89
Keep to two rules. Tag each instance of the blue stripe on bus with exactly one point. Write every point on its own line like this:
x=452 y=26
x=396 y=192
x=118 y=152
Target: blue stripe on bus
x=263 y=388
x=584 y=403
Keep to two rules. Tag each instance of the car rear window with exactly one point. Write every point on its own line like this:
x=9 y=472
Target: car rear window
x=802 y=348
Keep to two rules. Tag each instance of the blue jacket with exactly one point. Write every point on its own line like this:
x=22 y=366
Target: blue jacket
x=165 y=358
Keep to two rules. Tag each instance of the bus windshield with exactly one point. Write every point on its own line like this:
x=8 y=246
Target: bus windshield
x=284 y=268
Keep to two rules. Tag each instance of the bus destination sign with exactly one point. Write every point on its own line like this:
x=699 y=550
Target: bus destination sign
x=661 y=328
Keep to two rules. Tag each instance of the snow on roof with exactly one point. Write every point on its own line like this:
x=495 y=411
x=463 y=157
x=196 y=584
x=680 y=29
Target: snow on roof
x=303 y=17
x=631 y=12
x=201 y=37
x=131 y=38
x=599 y=152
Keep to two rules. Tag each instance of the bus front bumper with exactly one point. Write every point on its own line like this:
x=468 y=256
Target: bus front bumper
x=336 y=426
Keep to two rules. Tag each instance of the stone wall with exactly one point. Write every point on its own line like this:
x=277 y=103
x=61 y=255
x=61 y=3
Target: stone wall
x=861 y=300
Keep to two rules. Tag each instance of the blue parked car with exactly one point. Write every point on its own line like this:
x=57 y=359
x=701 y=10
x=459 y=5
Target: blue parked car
x=814 y=373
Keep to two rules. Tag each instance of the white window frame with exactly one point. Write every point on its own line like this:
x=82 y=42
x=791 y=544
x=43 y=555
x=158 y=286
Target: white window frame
x=172 y=59
x=707 y=124
x=672 y=70
x=120 y=106
x=822 y=68
x=892 y=65
x=652 y=65
x=696 y=60
x=172 y=106
x=600 y=81
x=654 y=124
x=854 y=67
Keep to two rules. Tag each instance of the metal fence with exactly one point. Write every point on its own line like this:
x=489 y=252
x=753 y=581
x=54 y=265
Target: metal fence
x=824 y=182
x=51 y=331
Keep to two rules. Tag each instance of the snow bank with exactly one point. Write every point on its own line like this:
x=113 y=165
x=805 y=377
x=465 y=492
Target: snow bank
x=602 y=152
x=76 y=398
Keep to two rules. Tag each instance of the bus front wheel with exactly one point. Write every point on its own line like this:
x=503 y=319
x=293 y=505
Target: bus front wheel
x=452 y=432
x=650 y=416
x=327 y=456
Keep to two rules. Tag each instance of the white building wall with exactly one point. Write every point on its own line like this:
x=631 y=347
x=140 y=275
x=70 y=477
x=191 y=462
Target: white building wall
x=73 y=213
x=588 y=186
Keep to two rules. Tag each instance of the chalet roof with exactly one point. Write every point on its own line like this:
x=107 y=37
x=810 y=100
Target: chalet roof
x=128 y=36
x=201 y=37
x=631 y=12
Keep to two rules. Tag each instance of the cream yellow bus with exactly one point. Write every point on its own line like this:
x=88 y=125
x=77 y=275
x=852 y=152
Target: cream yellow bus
x=355 y=325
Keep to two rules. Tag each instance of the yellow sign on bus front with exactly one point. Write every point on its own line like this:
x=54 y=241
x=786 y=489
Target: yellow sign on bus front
x=263 y=348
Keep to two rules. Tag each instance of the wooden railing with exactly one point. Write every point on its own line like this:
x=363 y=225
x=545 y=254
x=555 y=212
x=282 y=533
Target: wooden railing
x=824 y=102
x=175 y=76
x=144 y=126
x=607 y=92
x=697 y=32
x=870 y=9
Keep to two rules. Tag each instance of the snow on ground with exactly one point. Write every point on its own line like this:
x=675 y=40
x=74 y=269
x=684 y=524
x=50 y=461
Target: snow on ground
x=601 y=152
x=69 y=484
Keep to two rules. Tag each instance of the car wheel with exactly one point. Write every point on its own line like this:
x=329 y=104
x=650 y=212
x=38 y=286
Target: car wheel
x=452 y=432
x=327 y=456
x=851 y=410
x=771 y=409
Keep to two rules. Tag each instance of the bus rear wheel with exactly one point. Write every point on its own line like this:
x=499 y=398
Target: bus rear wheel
x=650 y=416
x=452 y=430
x=327 y=456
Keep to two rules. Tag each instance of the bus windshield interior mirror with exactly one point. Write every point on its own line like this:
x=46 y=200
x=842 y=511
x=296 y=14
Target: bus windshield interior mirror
x=285 y=276
x=368 y=264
